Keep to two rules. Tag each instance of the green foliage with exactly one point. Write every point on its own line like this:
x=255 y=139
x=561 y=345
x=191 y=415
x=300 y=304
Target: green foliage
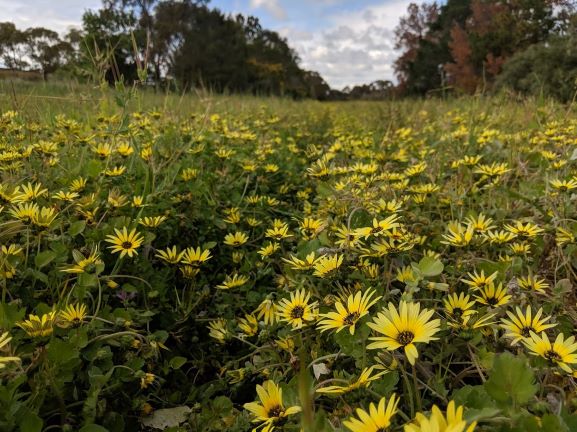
x=544 y=70
x=511 y=382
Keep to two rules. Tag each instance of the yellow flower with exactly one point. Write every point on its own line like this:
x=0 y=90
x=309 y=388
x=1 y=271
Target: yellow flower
x=44 y=217
x=560 y=353
x=267 y=311
x=563 y=185
x=115 y=171
x=458 y=235
x=325 y=265
x=479 y=281
x=152 y=222
x=103 y=150
x=526 y=231
x=310 y=228
x=84 y=264
x=248 y=325
x=437 y=422
x=357 y=306
x=458 y=306
x=195 y=257
x=521 y=325
x=5 y=340
x=364 y=380
x=499 y=237
x=297 y=311
x=65 y=196
x=379 y=227
x=236 y=239
x=377 y=419
x=36 y=326
x=170 y=255
x=124 y=242
x=532 y=283
x=563 y=237
x=146 y=380
x=217 y=330
x=268 y=250
x=404 y=328
x=271 y=409
x=137 y=201
x=481 y=223
x=279 y=231
x=493 y=296
x=298 y=264
x=233 y=282
x=73 y=315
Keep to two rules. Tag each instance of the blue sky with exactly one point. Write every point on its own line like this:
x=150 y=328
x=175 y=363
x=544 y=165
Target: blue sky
x=348 y=41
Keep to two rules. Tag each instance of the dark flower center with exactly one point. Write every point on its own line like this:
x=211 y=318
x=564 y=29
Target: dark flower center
x=376 y=230
x=492 y=301
x=275 y=411
x=405 y=337
x=526 y=331
x=351 y=318
x=552 y=356
x=297 y=312
x=457 y=312
x=126 y=245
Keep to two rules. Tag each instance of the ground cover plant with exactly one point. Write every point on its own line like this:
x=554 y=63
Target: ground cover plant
x=228 y=263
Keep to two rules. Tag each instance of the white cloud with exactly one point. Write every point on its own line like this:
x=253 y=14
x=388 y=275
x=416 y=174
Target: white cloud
x=273 y=7
x=356 y=48
x=58 y=15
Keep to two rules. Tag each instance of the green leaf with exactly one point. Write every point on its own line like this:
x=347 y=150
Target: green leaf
x=9 y=314
x=61 y=352
x=511 y=381
x=76 y=228
x=177 y=362
x=430 y=267
x=44 y=258
x=31 y=423
x=553 y=423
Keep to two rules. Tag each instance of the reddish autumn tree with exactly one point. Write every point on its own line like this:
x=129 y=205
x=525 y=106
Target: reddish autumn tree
x=461 y=72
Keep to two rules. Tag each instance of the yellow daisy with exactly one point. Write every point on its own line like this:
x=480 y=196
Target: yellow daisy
x=357 y=306
x=124 y=242
x=377 y=419
x=404 y=328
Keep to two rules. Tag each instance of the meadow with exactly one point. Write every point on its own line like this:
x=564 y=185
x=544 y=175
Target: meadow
x=233 y=263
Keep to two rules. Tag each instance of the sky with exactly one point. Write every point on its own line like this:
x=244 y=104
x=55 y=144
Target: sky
x=347 y=41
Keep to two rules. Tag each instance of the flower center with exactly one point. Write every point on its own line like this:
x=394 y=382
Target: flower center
x=526 y=331
x=275 y=411
x=297 y=312
x=351 y=318
x=552 y=356
x=126 y=245
x=492 y=301
x=405 y=337
x=457 y=312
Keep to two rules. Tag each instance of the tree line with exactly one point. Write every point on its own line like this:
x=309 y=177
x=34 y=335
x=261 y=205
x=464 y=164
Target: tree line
x=467 y=46
x=459 y=46
x=180 y=44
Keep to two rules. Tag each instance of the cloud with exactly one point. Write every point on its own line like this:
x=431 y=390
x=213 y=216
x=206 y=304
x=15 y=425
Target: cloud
x=56 y=15
x=354 y=47
x=273 y=7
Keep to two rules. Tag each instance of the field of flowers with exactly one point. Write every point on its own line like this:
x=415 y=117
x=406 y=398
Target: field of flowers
x=270 y=265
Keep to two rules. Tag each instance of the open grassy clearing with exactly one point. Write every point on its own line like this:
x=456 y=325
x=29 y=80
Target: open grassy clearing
x=198 y=253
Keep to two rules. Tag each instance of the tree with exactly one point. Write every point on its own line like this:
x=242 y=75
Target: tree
x=410 y=36
x=45 y=49
x=12 y=46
